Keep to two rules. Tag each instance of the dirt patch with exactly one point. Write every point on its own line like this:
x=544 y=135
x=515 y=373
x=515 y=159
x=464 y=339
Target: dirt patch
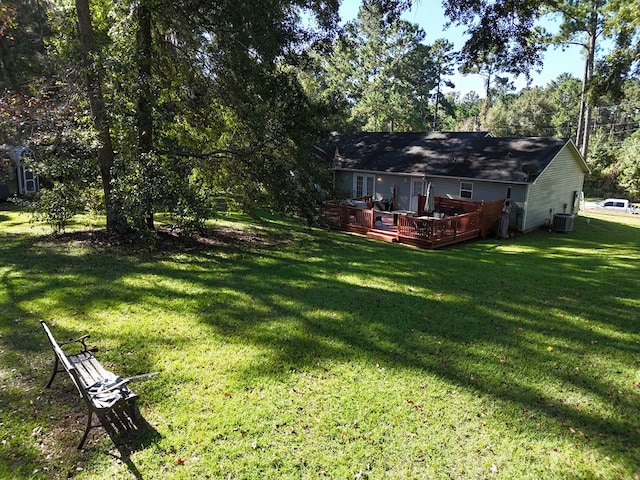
x=167 y=240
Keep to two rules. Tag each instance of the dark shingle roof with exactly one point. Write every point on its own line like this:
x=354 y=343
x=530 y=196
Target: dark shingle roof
x=474 y=155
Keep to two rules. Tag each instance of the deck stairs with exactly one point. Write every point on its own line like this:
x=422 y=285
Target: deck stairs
x=381 y=235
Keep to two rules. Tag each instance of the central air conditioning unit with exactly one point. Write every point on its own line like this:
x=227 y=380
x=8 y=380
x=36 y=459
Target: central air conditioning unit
x=563 y=222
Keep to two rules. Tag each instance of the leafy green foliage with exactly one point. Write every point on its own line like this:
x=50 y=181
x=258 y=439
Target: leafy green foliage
x=630 y=166
x=57 y=205
x=526 y=115
x=502 y=30
x=197 y=102
x=564 y=95
x=23 y=31
x=385 y=72
x=444 y=60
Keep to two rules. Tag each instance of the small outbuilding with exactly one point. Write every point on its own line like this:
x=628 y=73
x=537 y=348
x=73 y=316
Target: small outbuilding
x=16 y=174
x=542 y=177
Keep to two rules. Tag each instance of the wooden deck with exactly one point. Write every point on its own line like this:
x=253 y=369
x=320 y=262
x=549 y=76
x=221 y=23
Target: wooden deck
x=464 y=220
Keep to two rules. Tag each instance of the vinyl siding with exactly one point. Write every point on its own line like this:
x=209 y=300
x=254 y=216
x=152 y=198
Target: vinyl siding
x=554 y=189
x=383 y=184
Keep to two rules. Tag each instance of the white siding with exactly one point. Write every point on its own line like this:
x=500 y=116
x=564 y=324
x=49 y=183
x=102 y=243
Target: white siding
x=553 y=190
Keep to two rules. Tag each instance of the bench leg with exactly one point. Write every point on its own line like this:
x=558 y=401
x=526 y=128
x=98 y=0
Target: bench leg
x=55 y=370
x=90 y=425
x=135 y=411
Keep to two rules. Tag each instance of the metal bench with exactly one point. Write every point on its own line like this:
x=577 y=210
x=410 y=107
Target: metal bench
x=101 y=390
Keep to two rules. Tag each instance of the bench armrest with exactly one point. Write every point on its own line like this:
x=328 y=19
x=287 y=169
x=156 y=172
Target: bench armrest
x=80 y=340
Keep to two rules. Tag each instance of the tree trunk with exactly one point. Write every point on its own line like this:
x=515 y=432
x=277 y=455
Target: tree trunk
x=586 y=109
x=583 y=103
x=93 y=81
x=485 y=105
x=435 y=113
x=591 y=58
x=9 y=66
x=145 y=108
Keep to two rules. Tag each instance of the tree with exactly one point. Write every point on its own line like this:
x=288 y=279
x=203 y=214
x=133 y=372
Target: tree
x=613 y=155
x=564 y=94
x=489 y=67
x=444 y=60
x=466 y=111
x=93 y=80
x=215 y=103
x=384 y=71
x=623 y=61
x=23 y=30
x=145 y=103
x=526 y=114
x=630 y=166
x=583 y=23
x=25 y=92
x=500 y=29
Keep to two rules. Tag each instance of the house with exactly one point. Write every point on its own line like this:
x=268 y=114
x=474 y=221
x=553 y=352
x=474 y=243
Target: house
x=542 y=176
x=16 y=176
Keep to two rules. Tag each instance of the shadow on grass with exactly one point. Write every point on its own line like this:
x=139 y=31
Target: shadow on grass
x=495 y=318
x=129 y=436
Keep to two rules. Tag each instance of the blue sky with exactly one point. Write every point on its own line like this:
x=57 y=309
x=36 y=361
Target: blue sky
x=429 y=14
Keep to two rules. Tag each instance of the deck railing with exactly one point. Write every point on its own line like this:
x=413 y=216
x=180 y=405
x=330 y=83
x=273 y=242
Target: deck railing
x=439 y=231
x=358 y=218
x=474 y=220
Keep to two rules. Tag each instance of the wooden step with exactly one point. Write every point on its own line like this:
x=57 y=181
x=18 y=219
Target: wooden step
x=385 y=237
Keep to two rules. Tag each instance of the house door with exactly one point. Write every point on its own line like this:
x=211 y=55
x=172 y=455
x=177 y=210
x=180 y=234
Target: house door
x=27 y=181
x=418 y=187
x=30 y=182
x=363 y=185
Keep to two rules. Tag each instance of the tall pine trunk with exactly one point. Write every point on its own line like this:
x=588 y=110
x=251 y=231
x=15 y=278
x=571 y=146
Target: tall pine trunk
x=584 y=121
x=586 y=134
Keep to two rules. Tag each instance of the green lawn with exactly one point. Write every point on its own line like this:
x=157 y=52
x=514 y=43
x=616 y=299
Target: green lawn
x=302 y=353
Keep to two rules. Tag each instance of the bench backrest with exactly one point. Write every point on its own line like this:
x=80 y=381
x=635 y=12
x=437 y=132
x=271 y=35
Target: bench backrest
x=62 y=357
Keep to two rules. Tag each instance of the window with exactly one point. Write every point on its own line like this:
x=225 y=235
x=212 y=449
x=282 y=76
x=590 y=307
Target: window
x=363 y=185
x=466 y=190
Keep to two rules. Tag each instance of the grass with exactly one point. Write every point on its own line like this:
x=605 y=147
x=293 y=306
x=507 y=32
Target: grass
x=302 y=353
